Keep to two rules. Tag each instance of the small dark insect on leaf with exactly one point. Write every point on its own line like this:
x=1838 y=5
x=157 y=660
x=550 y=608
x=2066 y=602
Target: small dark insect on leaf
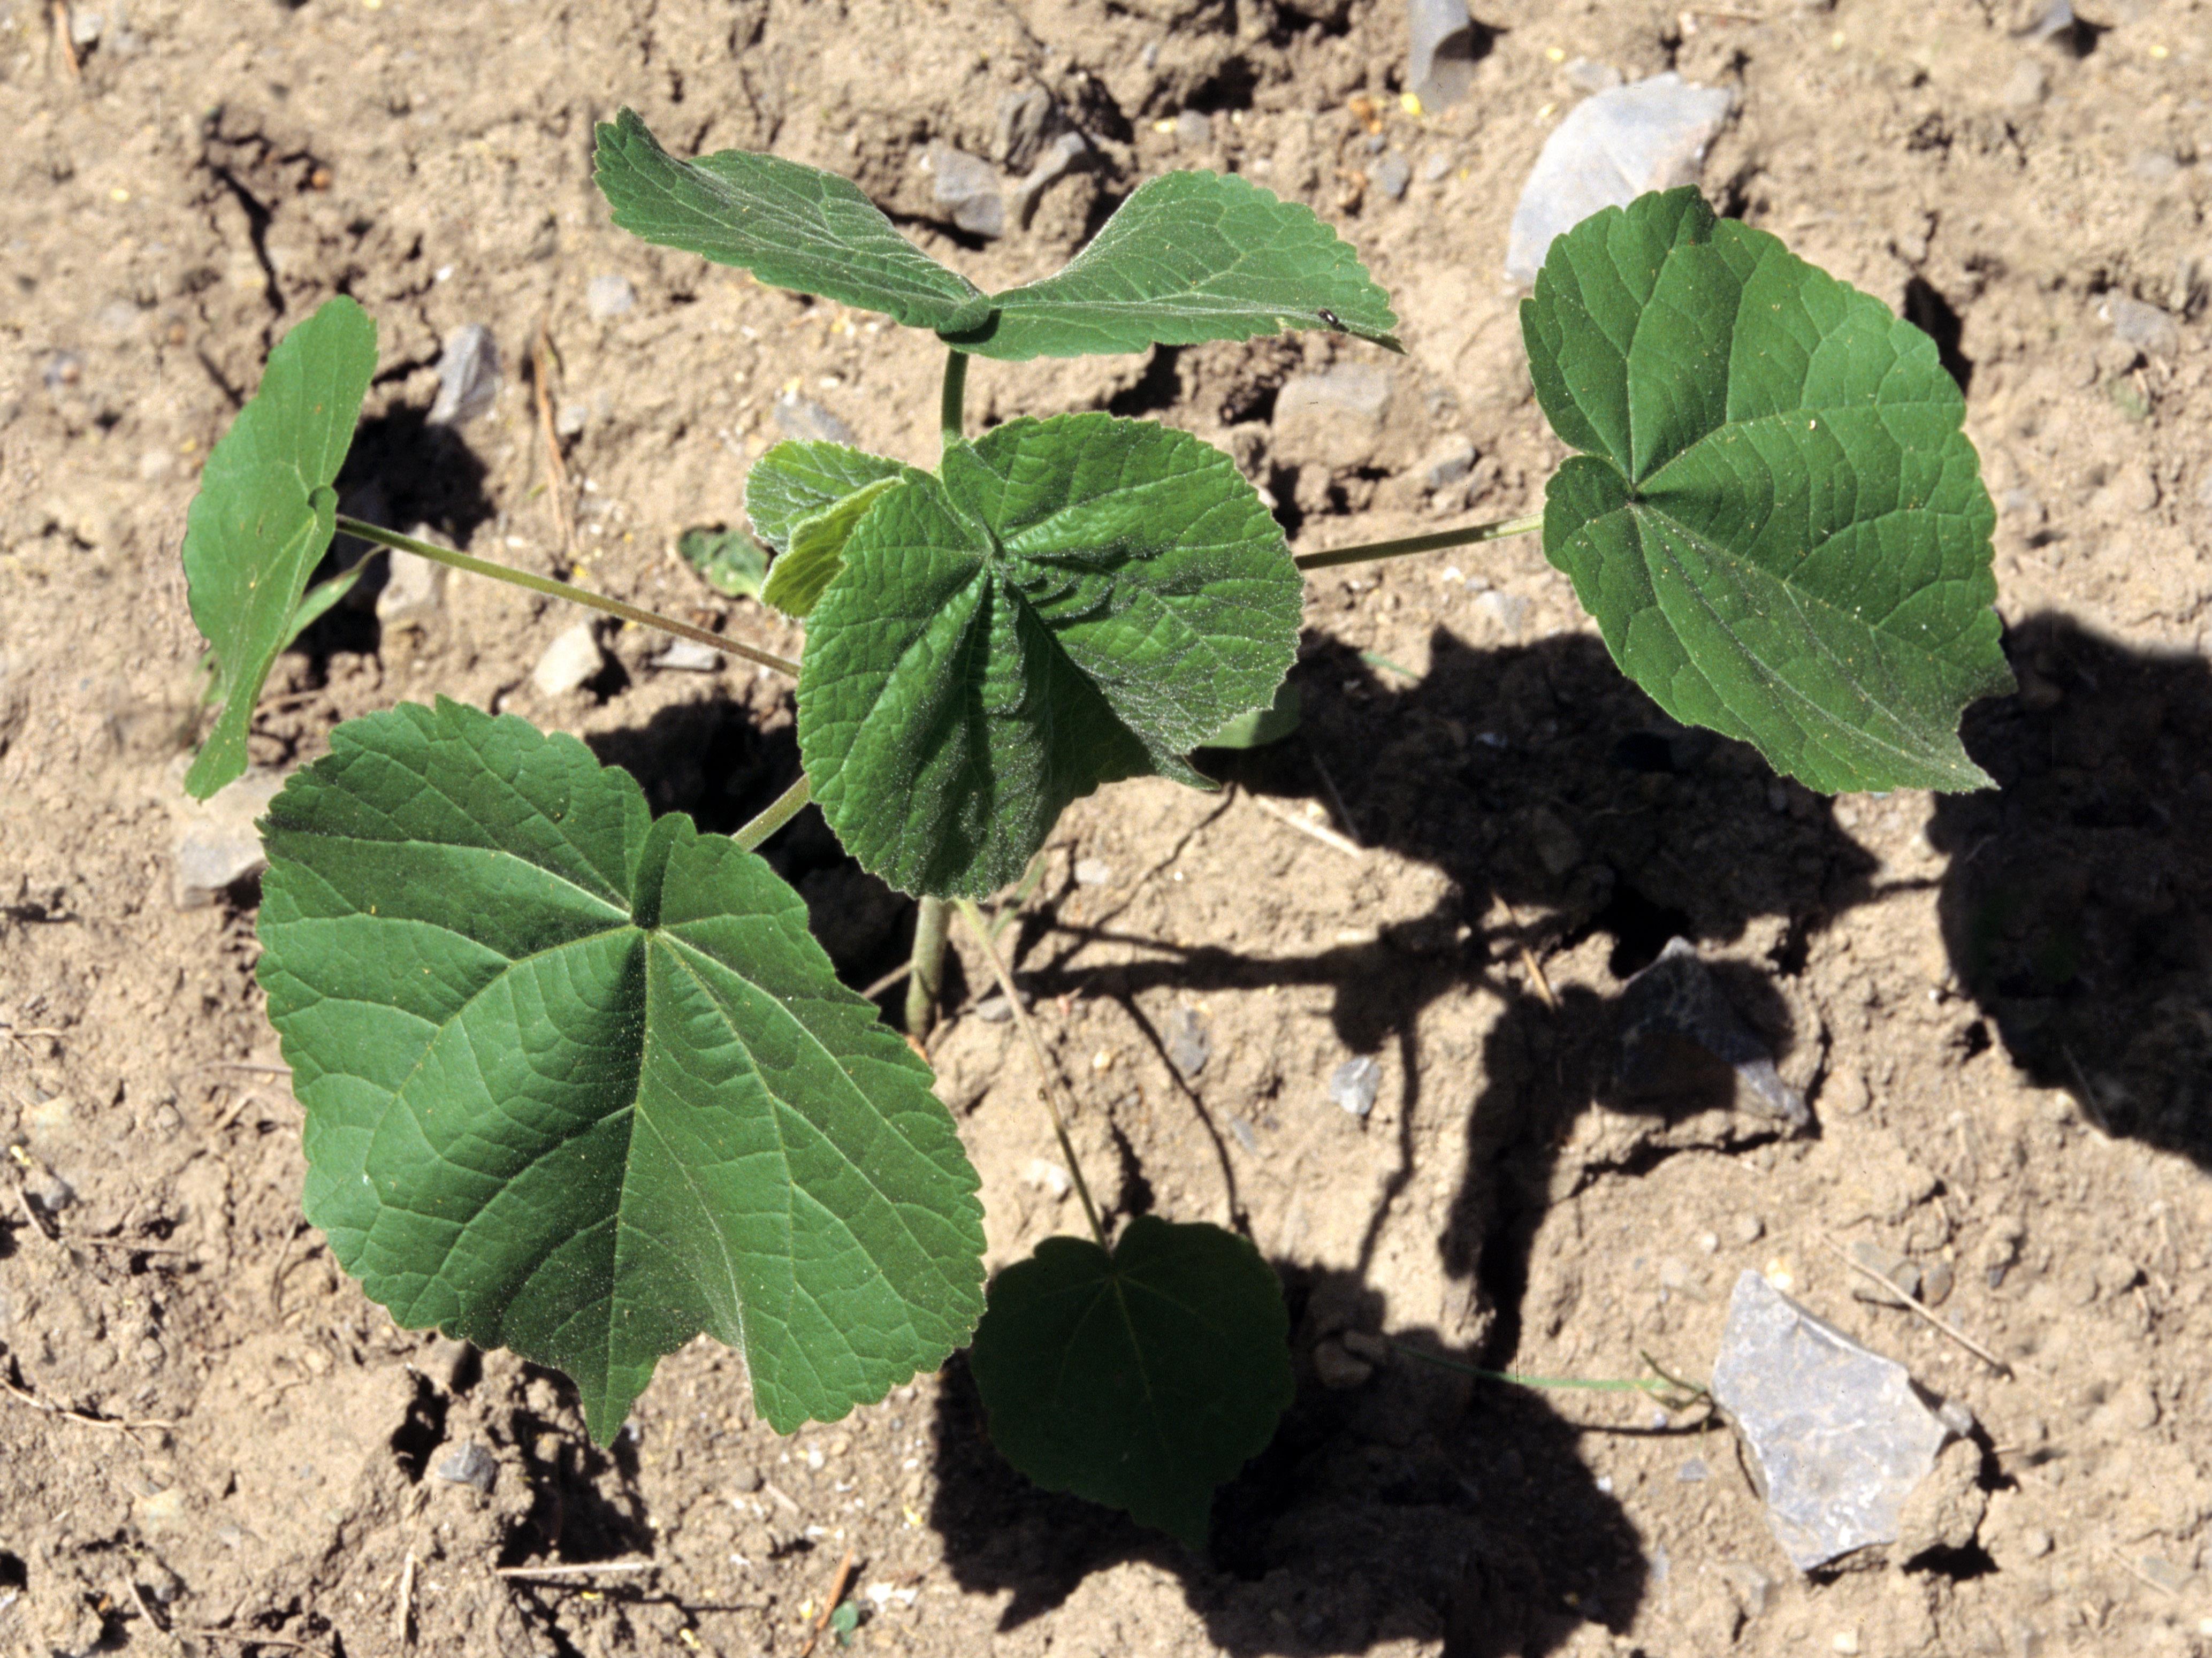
x=1330 y=317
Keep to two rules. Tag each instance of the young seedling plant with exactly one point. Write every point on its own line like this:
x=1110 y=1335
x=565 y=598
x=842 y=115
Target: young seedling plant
x=578 y=1081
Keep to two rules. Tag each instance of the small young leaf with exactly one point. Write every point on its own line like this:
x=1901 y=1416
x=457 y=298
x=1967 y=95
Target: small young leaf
x=795 y=481
x=265 y=514
x=792 y=226
x=1075 y=600
x=581 y=1083
x=726 y=560
x=1189 y=257
x=817 y=552
x=1143 y=1380
x=1777 y=521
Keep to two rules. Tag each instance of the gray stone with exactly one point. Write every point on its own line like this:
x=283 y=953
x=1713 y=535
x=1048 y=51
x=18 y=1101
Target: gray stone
x=1355 y=1084
x=571 y=421
x=1193 y=130
x=1840 y=1435
x=1440 y=58
x=1337 y=418
x=1676 y=998
x=414 y=587
x=1187 y=1044
x=216 y=843
x=1508 y=611
x=2028 y=85
x=1093 y=873
x=2038 y=20
x=689 y=656
x=1391 y=175
x=1447 y=463
x=1610 y=150
x=84 y=28
x=608 y=297
x=1436 y=166
x=1585 y=76
x=803 y=417
x=1899 y=1271
x=1062 y=156
x=569 y=661
x=468 y=377
x=1025 y=119
x=471 y=1465
x=994 y=1009
x=968 y=187
x=1337 y=1368
x=2145 y=327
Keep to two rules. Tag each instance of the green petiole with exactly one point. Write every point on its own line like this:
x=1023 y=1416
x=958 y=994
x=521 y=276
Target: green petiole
x=1408 y=545
x=541 y=584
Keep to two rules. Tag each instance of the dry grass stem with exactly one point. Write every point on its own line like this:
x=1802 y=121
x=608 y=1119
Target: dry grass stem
x=1920 y=1307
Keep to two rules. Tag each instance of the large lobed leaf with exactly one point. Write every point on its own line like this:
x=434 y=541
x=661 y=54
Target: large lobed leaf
x=1074 y=600
x=1143 y=1379
x=265 y=515
x=792 y=226
x=581 y=1083
x=1777 y=521
x=1189 y=257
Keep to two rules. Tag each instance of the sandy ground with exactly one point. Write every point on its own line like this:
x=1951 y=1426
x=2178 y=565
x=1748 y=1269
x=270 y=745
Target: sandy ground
x=1999 y=1005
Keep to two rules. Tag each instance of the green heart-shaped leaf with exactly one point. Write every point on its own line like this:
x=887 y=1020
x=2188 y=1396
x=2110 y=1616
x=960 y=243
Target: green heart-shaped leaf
x=1777 y=521
x=792 y=226
x=265 y=514
x=1075 y=600
x=581 y=1084
x=1141 y=1380
x=728 y=561
x=1190 y=257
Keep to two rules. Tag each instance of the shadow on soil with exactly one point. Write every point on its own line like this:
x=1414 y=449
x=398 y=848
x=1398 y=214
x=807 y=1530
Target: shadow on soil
x=2077 y=908
x=1424 y=1504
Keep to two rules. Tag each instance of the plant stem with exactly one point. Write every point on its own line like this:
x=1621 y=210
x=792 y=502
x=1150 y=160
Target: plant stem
x=950 y=402
x=1437 y=542
x=540 y=584
x=778 y=812
x=924 y=982
x=1048 y=1078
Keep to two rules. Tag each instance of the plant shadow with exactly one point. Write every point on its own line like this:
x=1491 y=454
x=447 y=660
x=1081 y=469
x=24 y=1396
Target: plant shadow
x=1562 y=808
x=2077 y=906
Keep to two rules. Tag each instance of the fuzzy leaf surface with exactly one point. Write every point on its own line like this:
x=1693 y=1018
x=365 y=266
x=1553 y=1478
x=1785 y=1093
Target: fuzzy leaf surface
x=581 y=1084
x=1073 y=601
x=1190 y=257
x=266 y=513
x=794 y=481
x=1777 y=521
x=817 y=552
x=1141 y=1380
x=792 y=226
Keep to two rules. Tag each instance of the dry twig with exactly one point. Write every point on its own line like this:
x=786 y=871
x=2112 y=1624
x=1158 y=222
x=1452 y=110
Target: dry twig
x=582 y=1570
x=122 y=1424
x=556 y=468
x=1328 y=837
x=838 y=1585
x=1920 y=1307
x=60 y=15
x=402 y=1620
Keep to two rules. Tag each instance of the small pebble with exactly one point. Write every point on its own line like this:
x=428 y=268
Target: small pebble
x=1709 y=1243
x=1093 y=873
x=1337 y=1369
x=803 y=417
x=217 y=844
x=1438 y=164
x=471 y=1465
x=1935 y=1282
x=1242 y=1131
x=1391 y=175
x=607 y=297
x=1187 y=1044
x=1747 y=1229
x=1193 y=130
x=996 y=1009
x=468 y=377
x=1355 y=1084
x=573 y=659
x=571 y=421
x=1693 y=1471
x=2035 y=1542
x=1046 y=1176
x=968 y=186
x=689 y=656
